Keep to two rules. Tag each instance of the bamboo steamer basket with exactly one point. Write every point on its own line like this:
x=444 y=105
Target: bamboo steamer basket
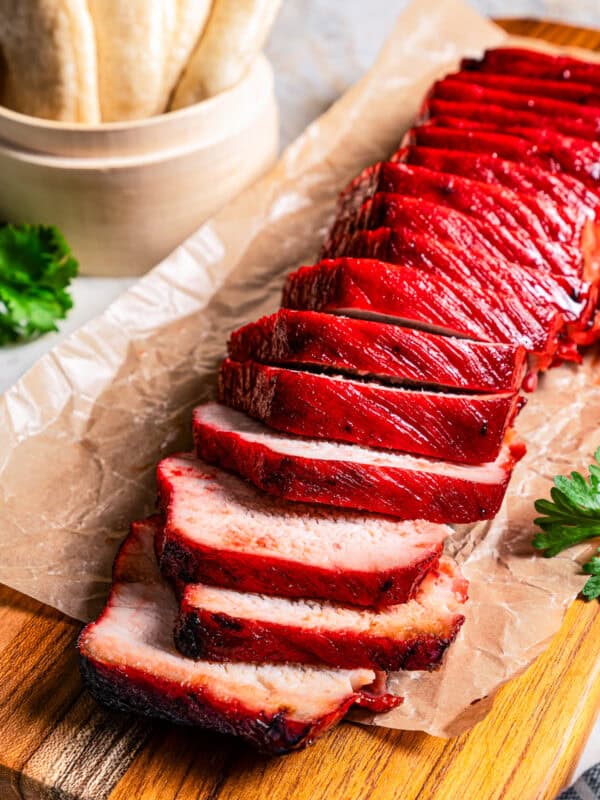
x=126 y=194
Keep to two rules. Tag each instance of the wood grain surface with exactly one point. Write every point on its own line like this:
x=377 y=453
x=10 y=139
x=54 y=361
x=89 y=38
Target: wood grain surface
x=57 y=744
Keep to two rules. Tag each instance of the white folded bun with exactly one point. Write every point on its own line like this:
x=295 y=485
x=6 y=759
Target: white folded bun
x=234 y=35
x=190 y=22
x=143 y=46
x=131 y=42
x=49 y=59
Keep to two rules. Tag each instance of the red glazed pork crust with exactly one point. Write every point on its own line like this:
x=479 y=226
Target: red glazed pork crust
x=132 y=689
x=535 y=271
x=538 y=218
x=534 y=300
x=219 y=637
x=570 y=195
x=462 y=91
x=583 y=94
x=405 y=494
x=216 y=632
x=262 y=575
x=535 y=64
x=139 y=692
x=464 y=428
x=420 y=294
x=561 y=265
x=543 y=148
x=470 y=115
x=378 y=349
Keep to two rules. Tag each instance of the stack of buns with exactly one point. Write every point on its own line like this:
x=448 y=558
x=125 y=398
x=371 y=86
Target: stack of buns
x=92 y=61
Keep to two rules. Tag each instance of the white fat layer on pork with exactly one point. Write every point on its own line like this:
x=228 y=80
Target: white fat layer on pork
x=433 y=610
x=212 y=508
x=136 y=631
x=230 y=421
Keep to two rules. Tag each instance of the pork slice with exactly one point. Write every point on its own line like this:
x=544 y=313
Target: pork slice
x=466 y=428
x=348 y=476
x=542 y=148
x=129 y=662
x=379 y=350
x=369 y=288
x=437 y=293
x=572 y=197
x=462 y=91
x=451 y=114
x=539 y=219
x=569 y=194
x=221 y=531
x=225 y=625
x=458 y=248
x=472 y=231
x=585 y=94
x=535 y=64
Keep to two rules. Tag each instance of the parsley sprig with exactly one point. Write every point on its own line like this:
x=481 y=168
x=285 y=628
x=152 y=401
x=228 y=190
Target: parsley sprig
x=36 y=266
x=572 y=516
x=592 y=586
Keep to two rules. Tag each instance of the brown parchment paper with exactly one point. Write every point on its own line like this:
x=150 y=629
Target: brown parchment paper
x=81 y=432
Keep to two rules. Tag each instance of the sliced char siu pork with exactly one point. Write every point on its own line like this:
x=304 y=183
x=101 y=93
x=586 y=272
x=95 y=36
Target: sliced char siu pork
x=465 y=428
x=536 y=294
x=450 y=114
x=129 y=663
x=349 y=476
x=472 y=237
x=473 y=216
x=422 y=234
x=219 y=530
x=303 y=530
x=570 y=195
x=574 y=200
x=583 y=94
x=539 y=219
x=429 y=293
x=540 y=148
x=378 y=350
x=464 y=92
x=225 y=625
x=535 y=64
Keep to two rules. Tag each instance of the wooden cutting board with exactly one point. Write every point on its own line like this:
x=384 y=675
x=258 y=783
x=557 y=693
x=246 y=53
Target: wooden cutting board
x=56 y=743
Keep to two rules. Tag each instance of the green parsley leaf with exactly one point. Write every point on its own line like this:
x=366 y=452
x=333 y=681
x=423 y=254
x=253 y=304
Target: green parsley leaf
x=572 y=516
x=36 y=266
x=591 y=590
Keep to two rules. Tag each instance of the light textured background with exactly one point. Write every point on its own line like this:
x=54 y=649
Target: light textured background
x=321 y=47
x=318 y=49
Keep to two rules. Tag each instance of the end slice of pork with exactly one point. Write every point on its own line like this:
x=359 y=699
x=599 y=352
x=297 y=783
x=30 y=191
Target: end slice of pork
x=220 y=530
x=129 y=662
x=348 y=476
x=225 y=625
